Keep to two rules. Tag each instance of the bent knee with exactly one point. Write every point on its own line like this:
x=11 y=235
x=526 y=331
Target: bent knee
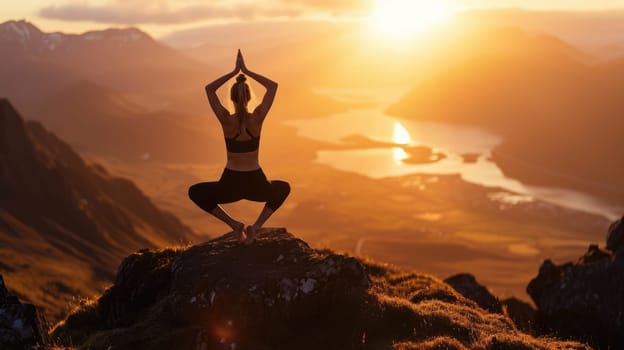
x=282 y=187
x=193 y=192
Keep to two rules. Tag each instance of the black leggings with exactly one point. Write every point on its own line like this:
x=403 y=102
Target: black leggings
x=236 y=185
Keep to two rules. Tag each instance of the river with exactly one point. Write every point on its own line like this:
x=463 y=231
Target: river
x=451 y=139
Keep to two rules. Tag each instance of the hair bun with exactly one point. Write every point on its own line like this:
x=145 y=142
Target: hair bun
x=241 y=78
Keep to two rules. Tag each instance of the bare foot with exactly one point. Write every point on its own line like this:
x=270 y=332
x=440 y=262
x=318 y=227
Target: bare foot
x=252 y=232
x=239 y=231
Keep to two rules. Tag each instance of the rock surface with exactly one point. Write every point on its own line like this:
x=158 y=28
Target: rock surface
x=521 y=313
x=583 y=300
x=279 y=293
x=467 y=285
x=21 y=325
x=615 y=235
x=215 y=293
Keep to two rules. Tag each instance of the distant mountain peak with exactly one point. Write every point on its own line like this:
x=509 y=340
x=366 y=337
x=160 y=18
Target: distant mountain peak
x=21 y=27
x=21 y=30
x=28 y=36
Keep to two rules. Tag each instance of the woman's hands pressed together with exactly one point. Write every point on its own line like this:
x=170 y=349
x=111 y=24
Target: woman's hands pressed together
x=240 y=63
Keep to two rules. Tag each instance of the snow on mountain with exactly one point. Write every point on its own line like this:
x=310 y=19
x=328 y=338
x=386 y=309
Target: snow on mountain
x=29 y=37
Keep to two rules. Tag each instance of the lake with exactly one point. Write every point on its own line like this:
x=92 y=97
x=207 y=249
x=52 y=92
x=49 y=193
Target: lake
x=451 y=139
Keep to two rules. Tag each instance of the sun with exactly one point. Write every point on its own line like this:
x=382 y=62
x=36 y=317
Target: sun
x=402 y=19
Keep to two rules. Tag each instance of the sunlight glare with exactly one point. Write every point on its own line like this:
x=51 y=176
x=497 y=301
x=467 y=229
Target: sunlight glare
x=400 y=135
x=405 y=18
x=399 y=154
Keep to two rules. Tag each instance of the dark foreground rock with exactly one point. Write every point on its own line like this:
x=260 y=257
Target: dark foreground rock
x=21 y=325
x=583 y=300
x=225 y=294
x=521 y=313
x=467 y=285
x=615 y=235
x=281 y=294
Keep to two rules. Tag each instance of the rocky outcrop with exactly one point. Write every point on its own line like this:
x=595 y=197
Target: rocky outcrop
x=521 y=313
x=467 y=285
x=279 y=293
x=615 y=235
x=584 y=300
x=21 y=325
x=223 y=293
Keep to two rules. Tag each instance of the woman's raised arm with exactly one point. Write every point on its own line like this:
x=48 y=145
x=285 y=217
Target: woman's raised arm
x=263 y=108
x=211 y=91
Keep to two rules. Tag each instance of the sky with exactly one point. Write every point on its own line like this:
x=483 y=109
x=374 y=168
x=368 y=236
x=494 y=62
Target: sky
x=160 y=17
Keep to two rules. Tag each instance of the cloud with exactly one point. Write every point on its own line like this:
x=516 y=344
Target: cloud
x=574 y=5
x=135 y=12
x=335 y=6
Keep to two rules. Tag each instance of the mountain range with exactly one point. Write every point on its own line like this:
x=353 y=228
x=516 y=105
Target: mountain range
x=102 y=121
x=598 y=33
x=559 y=116
x=64 y=222
x=37 y=64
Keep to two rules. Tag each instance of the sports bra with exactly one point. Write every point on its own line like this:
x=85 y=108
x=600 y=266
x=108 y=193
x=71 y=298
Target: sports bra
x=236 y=146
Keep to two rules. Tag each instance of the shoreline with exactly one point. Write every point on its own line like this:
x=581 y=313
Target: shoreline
x=535 y=175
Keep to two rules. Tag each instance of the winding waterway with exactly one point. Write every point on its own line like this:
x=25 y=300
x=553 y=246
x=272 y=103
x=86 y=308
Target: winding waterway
x=451 y=139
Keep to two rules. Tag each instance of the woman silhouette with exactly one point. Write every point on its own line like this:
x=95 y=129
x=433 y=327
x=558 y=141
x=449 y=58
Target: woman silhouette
x=242 y=177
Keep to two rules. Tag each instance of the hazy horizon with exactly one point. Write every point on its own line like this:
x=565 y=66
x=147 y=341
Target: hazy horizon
x=161 y=19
